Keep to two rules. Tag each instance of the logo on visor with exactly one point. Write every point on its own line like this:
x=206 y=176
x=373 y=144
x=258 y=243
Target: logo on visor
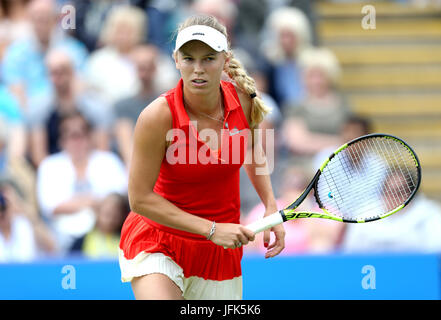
x=198 y=34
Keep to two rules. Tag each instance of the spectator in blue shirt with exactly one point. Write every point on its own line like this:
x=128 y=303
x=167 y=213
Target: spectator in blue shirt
x=24 y=70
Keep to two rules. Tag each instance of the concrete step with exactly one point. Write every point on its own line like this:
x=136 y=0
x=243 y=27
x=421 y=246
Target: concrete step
x=431 y=183
x=386 y=54
x=410 y=128
x=389 y=30
x=391 y=77
x=341 y=10
x=392 y=105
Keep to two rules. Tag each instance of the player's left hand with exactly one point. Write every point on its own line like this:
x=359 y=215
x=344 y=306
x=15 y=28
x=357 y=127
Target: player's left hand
x=273 y=249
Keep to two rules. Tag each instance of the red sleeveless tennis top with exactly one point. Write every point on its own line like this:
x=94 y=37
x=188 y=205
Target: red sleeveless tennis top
x=200 y=181
x=195 y=178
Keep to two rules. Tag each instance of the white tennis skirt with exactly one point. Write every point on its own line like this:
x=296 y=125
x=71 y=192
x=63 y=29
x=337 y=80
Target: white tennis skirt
x=193 y=288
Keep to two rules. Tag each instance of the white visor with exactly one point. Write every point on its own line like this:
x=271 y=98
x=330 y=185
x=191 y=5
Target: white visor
x=208 y=35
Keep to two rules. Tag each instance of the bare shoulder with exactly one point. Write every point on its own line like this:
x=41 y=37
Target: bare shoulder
x=156 y=116
x=245 y=102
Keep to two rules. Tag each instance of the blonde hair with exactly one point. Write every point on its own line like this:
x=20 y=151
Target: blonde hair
x=323 y=59
x=128 y=14
x=234 y=69
x=286 y=18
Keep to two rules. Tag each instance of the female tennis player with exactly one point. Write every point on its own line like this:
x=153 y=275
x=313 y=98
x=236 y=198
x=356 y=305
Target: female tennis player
x=183 y=238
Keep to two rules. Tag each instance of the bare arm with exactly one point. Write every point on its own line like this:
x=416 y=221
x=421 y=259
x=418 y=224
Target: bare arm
x=258 y=172
x=149 y=149
x=124 y=138
x=76 y=204
x=17 y=142
x=38 y=145
x=299 y=139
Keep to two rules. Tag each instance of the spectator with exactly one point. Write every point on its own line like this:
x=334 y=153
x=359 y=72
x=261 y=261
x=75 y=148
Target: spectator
x=415 y=229
x=225 y=11
x=90 y=16
x=17 y=242
x=316 y=122
x=285 y=35
x=251 y=16
x=13 y=143
x=109 y=69
x=13 y=22
x=127 y=110
x=159 y=15
x=354 y=127
x=17 y=168
x=69 y=95
x=103 y=240
x=23 y=205
x=70 y=182
x=24 y=69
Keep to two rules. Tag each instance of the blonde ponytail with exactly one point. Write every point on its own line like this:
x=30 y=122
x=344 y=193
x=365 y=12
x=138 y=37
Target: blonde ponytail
x=247 y=84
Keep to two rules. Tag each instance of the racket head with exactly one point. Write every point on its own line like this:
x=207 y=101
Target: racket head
x=368 y=178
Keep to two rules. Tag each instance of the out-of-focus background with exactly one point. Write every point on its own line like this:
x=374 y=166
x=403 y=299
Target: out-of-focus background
x=74 y=76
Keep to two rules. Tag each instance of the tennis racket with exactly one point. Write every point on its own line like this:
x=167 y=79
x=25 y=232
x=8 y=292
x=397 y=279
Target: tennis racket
x=366 y=179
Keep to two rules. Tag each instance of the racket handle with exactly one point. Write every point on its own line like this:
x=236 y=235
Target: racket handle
x=266 y=223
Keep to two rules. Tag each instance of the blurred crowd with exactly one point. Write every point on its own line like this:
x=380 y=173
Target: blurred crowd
x=74 y=76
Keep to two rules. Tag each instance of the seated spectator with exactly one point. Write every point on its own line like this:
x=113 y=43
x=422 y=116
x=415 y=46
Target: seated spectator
x=225 y=11
x=316 y=122
x=90 y=17
x=72 y=181
x=13 y=143
x=414 y=229
x=103 y=240
x=250 y=19
x=286 y=34
x=354 y=127
x=302 y=235
x=24 y=206
x=127 y=110
x=17 y=241
x=13 y=22
x=109 y=68
x=24 y=69
x=69 y=94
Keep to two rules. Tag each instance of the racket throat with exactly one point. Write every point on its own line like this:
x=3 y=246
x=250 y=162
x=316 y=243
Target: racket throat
x=312 y=185
x=282 y=213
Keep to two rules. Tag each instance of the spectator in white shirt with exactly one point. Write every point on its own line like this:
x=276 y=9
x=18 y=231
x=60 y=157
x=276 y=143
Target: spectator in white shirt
x=70 y=183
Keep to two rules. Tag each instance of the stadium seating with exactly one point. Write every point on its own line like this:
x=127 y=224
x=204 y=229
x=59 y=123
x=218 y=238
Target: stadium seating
x=392 y=74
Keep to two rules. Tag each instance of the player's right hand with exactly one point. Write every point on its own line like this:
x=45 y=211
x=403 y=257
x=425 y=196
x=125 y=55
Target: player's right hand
x=231 y=235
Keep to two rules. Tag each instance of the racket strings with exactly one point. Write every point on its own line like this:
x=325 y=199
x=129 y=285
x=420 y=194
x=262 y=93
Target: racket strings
x=368 y=179
x=393 y=199
x=352 y=171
